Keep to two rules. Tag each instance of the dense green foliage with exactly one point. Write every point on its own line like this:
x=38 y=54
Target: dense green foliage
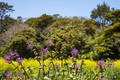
x=20 y=41
x=61 y=22
x=66 y=38
x=90 y=27
x=113 y=16
x=40 y=22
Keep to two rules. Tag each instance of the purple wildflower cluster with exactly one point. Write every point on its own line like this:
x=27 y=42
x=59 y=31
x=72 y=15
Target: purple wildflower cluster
x=74 y=53
x=29 y=46
x=10 y=57
x=7 y=58
x=21 y=75
x=8 y=74
x=101 y=64
x=19 y=60
x=43 y=51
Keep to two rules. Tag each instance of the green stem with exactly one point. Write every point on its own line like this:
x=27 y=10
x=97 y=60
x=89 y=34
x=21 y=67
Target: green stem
x=43 y=68
x=25 y=71
x=39 y=70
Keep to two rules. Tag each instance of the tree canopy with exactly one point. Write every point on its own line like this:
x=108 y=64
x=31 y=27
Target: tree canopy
x=5 y=9
x=99 y=13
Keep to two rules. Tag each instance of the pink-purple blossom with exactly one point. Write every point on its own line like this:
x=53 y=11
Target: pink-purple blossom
x=7 y=58
x=100 y=78
x=74 y=51
x=48 y=42
x=100 y=63
x=19 y=60
x=57 y=65
x=105 y=66
x=113 y=64
x=12 y=55
x=8 y=74
x=43 y=51
x=29 y=46
x=21 y=75
x=16 y=53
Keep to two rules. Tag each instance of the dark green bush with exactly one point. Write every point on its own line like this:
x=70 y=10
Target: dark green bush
x=21 y=39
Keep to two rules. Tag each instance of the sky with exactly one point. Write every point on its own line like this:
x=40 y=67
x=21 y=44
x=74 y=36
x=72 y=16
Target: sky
x=69 y=8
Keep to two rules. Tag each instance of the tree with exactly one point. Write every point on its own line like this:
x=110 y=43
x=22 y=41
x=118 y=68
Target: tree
x=99 y=14
x=6 y=23
x=57 y=16
x=5 y=9
x=44 y=21
x=40 y=22
x=19 y=19
x=113 y=16
x=107 y=44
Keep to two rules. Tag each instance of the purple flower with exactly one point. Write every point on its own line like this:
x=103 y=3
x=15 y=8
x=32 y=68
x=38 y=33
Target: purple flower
x=48 y=42
x=57 y=65
x=77 y=66
x=43 y=51
x=12 y=55
x=74 y=51
x=7 y=58
x=19 y=60
x=102 y=60
x=100 y=63
x=111 y=61
x=72 y=57
x=16 y=53
x=32 y=44
x=8 y=75
x=29 y=46
x=100 y=78
x=21 y=75
x=105 y=66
